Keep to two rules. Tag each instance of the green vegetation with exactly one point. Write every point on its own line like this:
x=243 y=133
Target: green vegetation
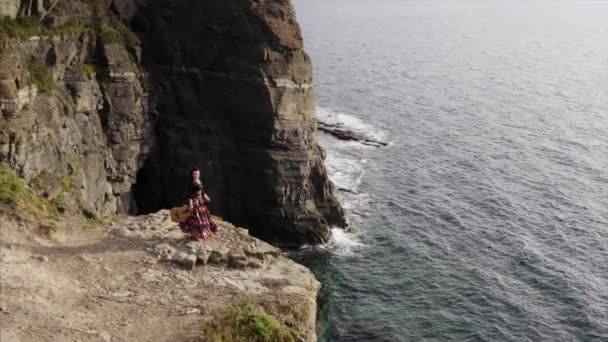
x=15 y=193
x=22 y=27
x=12 y=188
x=59 y=203
x=88 y=70
x=47 y=180
x=248 y=324
x=26 y=27
x=117 y=32
x=42 y=77
x=66 y=183
x=100 y=221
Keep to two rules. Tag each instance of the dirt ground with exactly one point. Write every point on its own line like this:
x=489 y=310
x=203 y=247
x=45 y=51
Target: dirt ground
x=140 y=279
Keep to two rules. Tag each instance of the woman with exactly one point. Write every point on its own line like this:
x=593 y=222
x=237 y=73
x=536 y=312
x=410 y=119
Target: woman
x=199 y=225
x=196 y=179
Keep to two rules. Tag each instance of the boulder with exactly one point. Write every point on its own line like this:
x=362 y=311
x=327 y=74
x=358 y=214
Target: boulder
x=9 y=8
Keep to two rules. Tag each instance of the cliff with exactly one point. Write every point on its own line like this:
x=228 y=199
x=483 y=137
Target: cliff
x=137 y=279
x=106 y=105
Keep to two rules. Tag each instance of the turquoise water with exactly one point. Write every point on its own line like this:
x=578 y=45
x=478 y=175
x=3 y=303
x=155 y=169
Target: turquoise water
x=486 y=218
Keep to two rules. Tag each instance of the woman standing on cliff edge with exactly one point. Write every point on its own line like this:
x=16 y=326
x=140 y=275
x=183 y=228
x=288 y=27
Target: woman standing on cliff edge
x=199 y=225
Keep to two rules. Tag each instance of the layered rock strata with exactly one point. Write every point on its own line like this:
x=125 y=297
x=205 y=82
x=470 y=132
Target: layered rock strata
x=74 y=134
x=225 y=86
x=235 y=97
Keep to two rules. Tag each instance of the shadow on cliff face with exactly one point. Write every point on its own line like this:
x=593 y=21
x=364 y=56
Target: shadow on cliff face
x=231 y=92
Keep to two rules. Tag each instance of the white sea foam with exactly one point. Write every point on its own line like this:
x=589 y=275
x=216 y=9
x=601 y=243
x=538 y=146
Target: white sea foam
x=343 y=242
x=346 y=168
x=345 y=172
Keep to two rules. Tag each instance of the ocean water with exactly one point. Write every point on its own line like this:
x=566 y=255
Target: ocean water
x=486 y=218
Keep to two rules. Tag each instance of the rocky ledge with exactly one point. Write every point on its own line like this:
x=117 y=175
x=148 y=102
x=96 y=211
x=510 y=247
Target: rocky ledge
x=231 y=247
x=140 y=279
x=339 y=131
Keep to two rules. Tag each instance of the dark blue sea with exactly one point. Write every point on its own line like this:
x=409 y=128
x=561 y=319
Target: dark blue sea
x=486 y=217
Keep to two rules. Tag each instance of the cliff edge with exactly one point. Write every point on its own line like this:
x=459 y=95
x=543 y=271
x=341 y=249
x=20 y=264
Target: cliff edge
x=138 y=279
x=106 y=105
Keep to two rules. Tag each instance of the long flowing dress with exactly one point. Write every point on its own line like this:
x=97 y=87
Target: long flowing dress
x=200 y=224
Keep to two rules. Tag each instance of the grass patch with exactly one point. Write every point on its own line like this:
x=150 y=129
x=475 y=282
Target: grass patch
x=66 y=182
x=15 y=193
x=22 y=27
x=247 y=323
x=59 y=203
x=45 y=180
x=100 y=221
x=117 y=32
x=12 y=188
x=88 y=70
x=42 y=76
x=26 y=27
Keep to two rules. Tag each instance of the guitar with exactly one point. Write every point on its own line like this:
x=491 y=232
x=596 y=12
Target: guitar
x=180 y=214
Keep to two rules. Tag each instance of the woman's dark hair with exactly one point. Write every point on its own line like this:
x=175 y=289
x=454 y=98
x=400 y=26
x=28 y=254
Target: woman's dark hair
x=194 y=188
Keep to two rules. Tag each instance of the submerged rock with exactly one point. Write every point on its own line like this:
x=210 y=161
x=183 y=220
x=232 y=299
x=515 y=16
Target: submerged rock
x=339 y=131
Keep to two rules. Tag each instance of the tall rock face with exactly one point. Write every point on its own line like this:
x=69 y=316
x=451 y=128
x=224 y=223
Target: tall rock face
x=222 y=85
x=77 y=136
x=234 y=96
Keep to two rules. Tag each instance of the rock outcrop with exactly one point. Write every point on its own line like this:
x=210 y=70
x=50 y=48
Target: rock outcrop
x=71 y=133
x=9 y=8
x=106 y=121
x=235 y=97
x=139 y=279
x=338 y=131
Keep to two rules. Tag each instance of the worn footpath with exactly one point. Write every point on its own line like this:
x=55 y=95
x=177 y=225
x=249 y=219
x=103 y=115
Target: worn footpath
x=140 y=279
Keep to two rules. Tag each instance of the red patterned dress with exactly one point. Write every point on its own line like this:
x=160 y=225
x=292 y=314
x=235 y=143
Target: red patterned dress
x=199 y=225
